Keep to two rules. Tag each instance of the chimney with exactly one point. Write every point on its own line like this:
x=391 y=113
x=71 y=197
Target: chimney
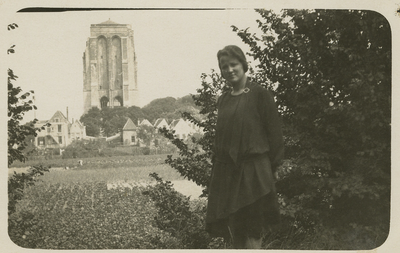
x=67 y=114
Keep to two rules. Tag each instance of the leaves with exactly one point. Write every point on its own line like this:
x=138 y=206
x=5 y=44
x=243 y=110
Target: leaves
x=11 y=50
x=12 y=26
x=177 y=216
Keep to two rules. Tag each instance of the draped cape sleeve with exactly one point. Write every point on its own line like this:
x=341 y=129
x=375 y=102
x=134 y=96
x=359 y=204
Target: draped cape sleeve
x=256 y=126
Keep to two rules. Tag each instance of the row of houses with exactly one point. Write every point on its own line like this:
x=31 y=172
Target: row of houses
x=183 y=129
x=62 y=132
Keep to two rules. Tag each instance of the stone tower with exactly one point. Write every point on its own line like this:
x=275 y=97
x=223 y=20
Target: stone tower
x=110 y=67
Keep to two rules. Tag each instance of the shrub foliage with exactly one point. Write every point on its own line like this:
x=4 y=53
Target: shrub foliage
x=177 y=215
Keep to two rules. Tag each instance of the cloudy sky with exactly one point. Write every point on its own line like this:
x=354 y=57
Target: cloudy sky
x=174 y=47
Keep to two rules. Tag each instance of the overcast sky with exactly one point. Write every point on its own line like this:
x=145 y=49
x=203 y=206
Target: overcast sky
x=174 y=47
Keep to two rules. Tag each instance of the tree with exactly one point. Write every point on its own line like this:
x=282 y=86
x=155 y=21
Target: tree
x=18 y=105
x=107 y=121
x=146 y=134
x=160 y=108
x=113 y=120
x=135 y=113
x=92 y=121
x=331 y=72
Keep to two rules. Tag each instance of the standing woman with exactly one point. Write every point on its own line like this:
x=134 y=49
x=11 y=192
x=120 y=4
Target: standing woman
x=248 y=148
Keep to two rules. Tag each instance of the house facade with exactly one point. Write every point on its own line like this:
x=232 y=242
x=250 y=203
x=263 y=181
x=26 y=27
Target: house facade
x=129 y=133
x=144 y=122
x=160 y=123
x=183 y=128
x=60 y=133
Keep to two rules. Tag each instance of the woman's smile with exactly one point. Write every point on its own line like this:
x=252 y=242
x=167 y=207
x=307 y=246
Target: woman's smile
x=232 y=69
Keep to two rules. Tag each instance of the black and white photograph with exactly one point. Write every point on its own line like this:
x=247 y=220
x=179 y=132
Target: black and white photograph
x=200 y=126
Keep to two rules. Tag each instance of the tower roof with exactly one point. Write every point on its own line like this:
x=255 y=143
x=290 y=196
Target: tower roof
x=108 y=22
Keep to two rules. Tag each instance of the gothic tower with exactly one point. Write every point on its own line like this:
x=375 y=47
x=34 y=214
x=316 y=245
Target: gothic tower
x=110 y=67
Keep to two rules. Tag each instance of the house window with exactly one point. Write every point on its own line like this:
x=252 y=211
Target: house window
x=133 y=139
x=48 y=129
x=57 y=120
x=60 y=139
x=41 y=141
x=59 y=128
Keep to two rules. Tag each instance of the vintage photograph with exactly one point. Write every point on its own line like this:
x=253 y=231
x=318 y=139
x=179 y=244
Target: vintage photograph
x=199 y=128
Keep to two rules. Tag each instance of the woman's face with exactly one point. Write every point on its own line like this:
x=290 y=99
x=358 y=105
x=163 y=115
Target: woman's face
x=231 y=68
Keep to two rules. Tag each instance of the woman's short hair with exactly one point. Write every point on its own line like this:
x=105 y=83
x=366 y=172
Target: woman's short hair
x=233 y=51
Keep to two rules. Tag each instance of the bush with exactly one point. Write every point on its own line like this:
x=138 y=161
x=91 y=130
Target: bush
x=145 y=151
x=177 y=215
x=83 y=149
x=18 y=182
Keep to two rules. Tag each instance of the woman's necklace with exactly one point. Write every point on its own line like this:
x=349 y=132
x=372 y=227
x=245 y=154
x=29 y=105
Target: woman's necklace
x=243 y=90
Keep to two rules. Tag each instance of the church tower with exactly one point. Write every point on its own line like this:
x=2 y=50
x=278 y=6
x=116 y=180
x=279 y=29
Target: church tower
x=110 y=67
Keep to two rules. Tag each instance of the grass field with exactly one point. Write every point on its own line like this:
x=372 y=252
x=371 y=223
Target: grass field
x=102 y=169
x=95 y=162
x=109 y=175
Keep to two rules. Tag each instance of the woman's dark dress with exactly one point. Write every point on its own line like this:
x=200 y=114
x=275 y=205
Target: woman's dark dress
x=248 y=148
